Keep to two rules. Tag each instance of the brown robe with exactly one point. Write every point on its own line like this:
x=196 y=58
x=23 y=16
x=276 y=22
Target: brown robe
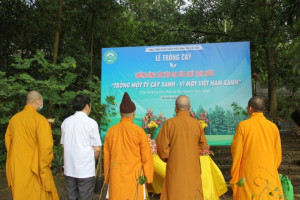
x=179 y=143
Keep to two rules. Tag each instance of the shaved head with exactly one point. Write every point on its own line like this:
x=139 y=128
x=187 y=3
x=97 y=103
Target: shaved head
x=129 y=115
x=257 y=104
x=182 y=102
x=33 y=96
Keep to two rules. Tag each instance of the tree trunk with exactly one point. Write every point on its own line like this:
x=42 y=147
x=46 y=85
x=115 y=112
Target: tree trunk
x=57 y=34
x=92 y=45
x=272 y=94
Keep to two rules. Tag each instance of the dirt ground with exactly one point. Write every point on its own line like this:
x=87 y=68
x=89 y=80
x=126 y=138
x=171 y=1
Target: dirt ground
x=5 y=193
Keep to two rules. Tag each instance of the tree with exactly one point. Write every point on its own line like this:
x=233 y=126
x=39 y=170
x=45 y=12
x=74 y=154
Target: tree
x=266 y=24
x=58 y=30
x=25 y=27
x=56 y=87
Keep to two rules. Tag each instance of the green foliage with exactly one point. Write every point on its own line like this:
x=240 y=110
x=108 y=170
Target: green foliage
x=35 y=74
x=268 y=25
x=88 y=25
x=273 y=193
x=57 y=85
x=58 y=163
x=2 y=157
x=296 y=67
x=241 y=182
x=266 y=186
x=142 y=180
x=286 y=105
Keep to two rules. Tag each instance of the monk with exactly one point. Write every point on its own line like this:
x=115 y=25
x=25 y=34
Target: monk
x=127 y=156
x=179 y=143
x=29 y=146
x=256 y=155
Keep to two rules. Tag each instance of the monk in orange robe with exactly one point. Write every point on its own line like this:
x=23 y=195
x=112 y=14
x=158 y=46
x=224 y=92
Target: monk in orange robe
x=127 y=156
x=179 y=143
x=256 y=154
x=29 y=145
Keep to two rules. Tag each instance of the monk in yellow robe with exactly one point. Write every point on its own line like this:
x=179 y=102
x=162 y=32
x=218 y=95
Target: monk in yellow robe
x=256 y=154
x=29 y=145
x=127 y=156
x=179 y=143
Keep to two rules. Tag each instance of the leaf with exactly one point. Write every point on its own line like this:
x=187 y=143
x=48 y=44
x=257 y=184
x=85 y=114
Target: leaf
x=271 y=194
x=277 y=189
x=241 y=182
x=142 y=180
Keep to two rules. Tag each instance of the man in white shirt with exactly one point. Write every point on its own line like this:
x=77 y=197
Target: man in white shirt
x=82 y=146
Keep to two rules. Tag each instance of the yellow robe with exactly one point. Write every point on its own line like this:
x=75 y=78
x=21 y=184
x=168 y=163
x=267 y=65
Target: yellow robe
x=179 y=143
x=256 y=154
x=29 y=145
x=214 y=183
x=127 y=155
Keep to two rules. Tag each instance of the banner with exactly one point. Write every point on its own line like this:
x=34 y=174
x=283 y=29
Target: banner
x=213 y=76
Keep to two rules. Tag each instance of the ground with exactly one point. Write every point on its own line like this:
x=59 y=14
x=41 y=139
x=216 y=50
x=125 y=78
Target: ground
x=5 y=193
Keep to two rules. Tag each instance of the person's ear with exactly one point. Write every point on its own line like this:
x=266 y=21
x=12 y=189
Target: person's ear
x=250 y=110
x=39 y=102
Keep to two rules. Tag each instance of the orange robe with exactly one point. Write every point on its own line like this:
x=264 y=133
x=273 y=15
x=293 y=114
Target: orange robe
x=179 y=143
x=127 y=155
x=256 y=154
x=29 y=145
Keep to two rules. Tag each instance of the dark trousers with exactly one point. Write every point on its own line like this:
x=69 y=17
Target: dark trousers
x=79 y=188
